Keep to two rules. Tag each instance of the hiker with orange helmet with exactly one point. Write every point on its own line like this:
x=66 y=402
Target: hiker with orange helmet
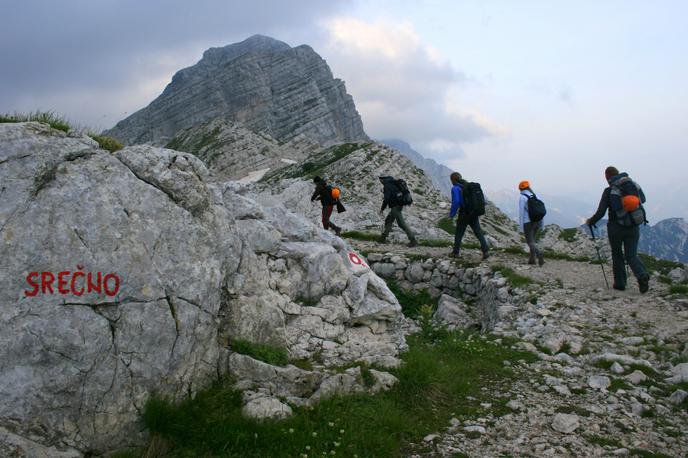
x=527 y=222
x=623 y=201
x=325 y=194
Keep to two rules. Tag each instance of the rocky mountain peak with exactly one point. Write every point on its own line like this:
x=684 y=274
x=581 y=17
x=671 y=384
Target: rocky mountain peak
x=268 y=86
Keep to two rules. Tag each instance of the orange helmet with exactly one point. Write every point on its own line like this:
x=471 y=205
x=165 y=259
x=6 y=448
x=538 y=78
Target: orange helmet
x=630 y=203
x=523 y=185
x=335 y=193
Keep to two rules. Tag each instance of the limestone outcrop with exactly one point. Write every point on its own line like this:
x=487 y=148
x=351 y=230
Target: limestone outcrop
x=127 y=273
x=263 y=83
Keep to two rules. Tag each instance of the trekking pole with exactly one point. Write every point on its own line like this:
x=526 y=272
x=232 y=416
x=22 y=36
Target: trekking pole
x=597 y=248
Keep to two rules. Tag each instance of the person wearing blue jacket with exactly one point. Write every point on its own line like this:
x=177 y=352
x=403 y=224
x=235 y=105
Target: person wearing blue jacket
x=464 y=220
x=530 y=229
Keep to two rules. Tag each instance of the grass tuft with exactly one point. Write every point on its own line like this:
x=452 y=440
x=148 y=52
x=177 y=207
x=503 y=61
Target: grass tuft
x=358 y=235
x=270 y=354
x=411 y=301
x=107 y=143
x=447 y=224
x=47 y=117
x=440 y=379
x=512 y=277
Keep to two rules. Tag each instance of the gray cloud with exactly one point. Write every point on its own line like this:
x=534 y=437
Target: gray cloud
x=402 y=87
x=76 y=52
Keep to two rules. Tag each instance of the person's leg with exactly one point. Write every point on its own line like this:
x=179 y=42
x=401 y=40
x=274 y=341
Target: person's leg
x=461 y=225
x=630 y=243
x=538 y=252
x=475 y=226
x=326 y=217
x=402 y=224
x=389 y=220
x=618 y=265
x=530 y=241
x=327 y=214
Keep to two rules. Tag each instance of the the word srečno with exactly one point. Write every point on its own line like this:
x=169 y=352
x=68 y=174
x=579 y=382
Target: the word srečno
x=72 y=283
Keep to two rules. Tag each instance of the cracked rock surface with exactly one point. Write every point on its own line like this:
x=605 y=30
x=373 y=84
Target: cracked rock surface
x=198 y=266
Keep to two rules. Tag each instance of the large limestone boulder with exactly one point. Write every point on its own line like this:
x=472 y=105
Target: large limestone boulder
x=185 y=265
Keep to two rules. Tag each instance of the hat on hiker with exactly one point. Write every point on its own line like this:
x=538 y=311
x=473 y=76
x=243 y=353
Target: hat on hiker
x=610 y=172
x=525 y=184
x=317 y=179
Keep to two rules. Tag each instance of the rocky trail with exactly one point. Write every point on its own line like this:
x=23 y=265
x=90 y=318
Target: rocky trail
x=611 y=374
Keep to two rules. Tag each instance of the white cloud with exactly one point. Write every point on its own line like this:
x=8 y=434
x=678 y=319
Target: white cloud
x=402 y=87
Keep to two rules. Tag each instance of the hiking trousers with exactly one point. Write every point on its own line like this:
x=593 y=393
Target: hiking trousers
x=395 y=215
x=326 y=214
x=530 y=230
x=461 y=224
x=624 y=244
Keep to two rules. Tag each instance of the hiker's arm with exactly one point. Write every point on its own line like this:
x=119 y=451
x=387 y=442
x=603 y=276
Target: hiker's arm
x=315 y=195
x=456 y=201
x=601 y=209
x=522 y=205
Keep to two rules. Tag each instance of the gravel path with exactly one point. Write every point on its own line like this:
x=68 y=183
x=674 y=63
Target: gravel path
x=602 y=383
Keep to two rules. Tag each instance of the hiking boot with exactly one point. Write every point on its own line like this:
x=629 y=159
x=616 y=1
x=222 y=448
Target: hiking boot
x=541 y=259
x=619 y=288
x=382 y=239
x=338 y=231
x=452 y=254
x=531 y=258
x=486 y=254
x=412 y=243
x=644 y=283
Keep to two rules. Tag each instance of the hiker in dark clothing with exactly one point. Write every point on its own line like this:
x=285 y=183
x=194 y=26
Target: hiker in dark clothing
x=391 y=200
x=323 y=193
x=464 y=220
x=623 y=239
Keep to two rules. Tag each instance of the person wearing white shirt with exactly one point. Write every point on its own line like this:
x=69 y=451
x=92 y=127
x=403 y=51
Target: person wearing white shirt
x=530 y=229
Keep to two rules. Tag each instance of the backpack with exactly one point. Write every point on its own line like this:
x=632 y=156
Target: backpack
x=536 y=208
x=335 y=192
x=403 y=195
x=473 y=199
x=626 y=202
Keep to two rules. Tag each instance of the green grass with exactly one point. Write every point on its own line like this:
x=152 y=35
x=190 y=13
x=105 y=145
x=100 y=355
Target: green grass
x=513 y=250
x=267 y=353
x=580 y=411
x=435 y=383
x=678 y=289
x=661 y=266
x=358 y=235
x=603 y=441
x=512 y=277
x=411 y=301
x=447 y=224
x=550 y=254
x=435 y=243
x=107 y=143
x=60 y=123
x=47 y=117
x=568 y=235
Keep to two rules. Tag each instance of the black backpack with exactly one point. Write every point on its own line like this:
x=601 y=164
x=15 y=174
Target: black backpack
x=473 y=199
x=403 y=195
x=536 y=208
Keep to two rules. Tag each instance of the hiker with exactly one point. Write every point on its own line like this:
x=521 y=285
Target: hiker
x=530 y=228
x=623 y=200
x=323 y=192
x=468 y=200
x=396 y=195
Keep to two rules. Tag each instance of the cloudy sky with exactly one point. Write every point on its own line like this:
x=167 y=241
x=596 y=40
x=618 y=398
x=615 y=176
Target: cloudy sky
x=549 y=91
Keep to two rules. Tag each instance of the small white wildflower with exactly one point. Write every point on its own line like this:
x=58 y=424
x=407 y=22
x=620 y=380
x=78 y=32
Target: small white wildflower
x=291 y=430
x=315 y=434
x=341 y=431
x=308 y=447
x=333 y=452
x=336 y=444
x=331 y=424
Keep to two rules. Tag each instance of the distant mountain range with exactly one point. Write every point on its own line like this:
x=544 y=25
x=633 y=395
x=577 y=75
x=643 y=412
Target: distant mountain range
x=438 y=173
